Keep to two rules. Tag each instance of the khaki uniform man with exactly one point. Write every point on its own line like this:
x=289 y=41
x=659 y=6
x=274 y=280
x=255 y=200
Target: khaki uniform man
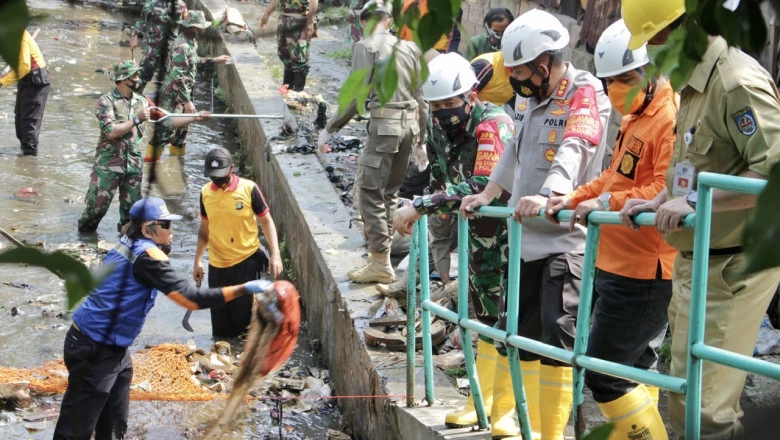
x=728 y=123
x=392 y=132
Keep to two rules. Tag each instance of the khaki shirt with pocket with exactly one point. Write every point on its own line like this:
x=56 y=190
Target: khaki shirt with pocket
x=731 y=108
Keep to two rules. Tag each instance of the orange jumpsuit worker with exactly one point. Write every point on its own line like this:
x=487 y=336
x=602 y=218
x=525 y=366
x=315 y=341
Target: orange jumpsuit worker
x=633 y=283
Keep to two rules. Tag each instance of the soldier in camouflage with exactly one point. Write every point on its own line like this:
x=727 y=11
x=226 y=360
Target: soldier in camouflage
x=355 y=25
x=466 y=138
x=121 y=114
x=464 y=142
x=293 y=35
x=175 y=94
x=157 y=29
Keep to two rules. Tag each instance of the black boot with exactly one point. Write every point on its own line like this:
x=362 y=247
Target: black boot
x=299 y=80
x=288 y=77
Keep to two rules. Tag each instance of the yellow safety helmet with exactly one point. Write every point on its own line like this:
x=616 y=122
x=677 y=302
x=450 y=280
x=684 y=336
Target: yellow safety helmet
x=645 y=18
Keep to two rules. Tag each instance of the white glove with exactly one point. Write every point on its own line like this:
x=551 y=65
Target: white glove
x=322 y=140
x=420 y=157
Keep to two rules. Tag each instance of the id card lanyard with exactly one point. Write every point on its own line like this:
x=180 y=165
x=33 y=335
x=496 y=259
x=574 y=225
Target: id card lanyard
x=685 y=172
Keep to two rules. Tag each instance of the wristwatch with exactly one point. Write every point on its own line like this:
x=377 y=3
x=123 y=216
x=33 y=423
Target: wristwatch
x=604 y=199
x=419 y=205
x=545 y=192
x=136 y=121
x=691 y=199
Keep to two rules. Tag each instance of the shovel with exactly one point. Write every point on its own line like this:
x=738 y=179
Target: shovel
x=166 y=114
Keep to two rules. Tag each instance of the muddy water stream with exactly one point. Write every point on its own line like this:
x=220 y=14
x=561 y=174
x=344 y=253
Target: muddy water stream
x=77 y=41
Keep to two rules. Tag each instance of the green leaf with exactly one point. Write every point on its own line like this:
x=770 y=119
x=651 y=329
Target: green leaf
x=387 y=80
x=762 y=234
x=79 y=280
x=15 y=19
x=428 y=31
x=600 y=433
x=356 y=88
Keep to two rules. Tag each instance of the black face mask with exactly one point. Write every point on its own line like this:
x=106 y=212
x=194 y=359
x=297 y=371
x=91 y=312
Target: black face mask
x=220 y=181
x=452 y=120
x=135 y=85
x=166 y=248
x=525 y=88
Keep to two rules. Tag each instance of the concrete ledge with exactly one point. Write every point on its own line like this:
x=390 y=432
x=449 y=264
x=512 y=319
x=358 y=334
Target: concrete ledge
x=315 y=224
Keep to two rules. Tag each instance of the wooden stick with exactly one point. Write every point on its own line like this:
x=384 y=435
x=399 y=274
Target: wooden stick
x=10 y=238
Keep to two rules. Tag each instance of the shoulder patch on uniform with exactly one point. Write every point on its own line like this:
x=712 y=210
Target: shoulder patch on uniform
x=584 y=121
x=745 y=121
x=489 y=148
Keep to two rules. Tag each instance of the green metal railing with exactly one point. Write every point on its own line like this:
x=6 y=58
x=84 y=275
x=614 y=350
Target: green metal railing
x=699 y=352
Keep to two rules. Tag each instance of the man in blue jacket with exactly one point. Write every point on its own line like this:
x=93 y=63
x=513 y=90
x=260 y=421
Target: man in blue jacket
x=108 y=321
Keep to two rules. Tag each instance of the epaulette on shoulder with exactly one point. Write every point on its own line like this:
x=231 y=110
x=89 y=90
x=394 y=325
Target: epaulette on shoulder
x=737 y=69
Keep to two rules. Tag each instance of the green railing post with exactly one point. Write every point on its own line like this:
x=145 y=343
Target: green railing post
x=583 y=315
x=513 y=312
x=425 y=295
x=701 y=256
x=463 y=316
x=411 y=313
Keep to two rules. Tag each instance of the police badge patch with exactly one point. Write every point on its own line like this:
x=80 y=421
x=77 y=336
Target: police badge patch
x=745 y=121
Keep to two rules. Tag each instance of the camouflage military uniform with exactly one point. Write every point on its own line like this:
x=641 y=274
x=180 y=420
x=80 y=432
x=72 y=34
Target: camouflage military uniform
x=292 y=48
x=157 y=26
x=117 y=162
x=355 y=26
x=176 y=90
x=460 y=169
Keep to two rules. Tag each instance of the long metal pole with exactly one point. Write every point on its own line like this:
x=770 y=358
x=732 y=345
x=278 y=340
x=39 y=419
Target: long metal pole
x=583 y=315
x=411 y=312
x=463 y=314
x=425 y=294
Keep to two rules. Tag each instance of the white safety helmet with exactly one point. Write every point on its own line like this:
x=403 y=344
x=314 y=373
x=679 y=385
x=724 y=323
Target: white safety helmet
x=530 y=35
x=612 y=55
x=450 y=75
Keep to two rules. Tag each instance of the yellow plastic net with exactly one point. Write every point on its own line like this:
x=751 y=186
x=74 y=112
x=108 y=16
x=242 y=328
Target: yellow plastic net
x=159 y=373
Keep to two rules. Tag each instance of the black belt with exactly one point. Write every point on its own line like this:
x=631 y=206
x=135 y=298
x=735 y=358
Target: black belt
x=716 y=252
x=290 y=11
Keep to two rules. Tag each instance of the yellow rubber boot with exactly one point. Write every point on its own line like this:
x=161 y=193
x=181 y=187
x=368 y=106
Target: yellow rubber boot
x=634 y=416
x=152 y=153
x=377 y=270
x=502 y=414
x=654 y=393
x=532 y=384
x=486 y=369
x=175 y=150
x=555 y=399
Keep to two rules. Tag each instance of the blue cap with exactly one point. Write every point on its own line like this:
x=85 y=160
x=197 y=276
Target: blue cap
x=151 y=208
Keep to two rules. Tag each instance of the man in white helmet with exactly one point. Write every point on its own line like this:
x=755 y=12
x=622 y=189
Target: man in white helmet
x=561 y=115
x=393 y=131
x=633 y=283
x=466 y=138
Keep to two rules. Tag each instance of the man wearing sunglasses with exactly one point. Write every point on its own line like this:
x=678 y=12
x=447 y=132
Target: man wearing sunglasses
x=100 y=369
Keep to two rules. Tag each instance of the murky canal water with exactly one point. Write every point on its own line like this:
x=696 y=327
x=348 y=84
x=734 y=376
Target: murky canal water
x=77 y=41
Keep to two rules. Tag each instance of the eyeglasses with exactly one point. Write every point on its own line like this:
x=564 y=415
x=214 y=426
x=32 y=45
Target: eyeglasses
x=164 y=224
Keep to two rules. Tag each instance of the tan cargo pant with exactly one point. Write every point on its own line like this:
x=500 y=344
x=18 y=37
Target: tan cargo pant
x=380 y=173
x=735 y=307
